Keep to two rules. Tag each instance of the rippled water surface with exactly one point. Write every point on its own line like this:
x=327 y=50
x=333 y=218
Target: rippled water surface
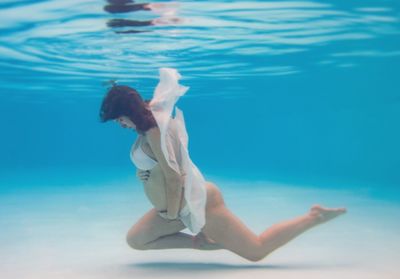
x=69 y=41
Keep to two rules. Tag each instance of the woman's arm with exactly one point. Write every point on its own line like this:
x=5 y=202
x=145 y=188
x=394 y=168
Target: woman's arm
x=174 y=182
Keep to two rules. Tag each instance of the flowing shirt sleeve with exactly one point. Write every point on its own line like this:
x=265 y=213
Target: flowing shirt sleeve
x=174 y=145
x=166 y=94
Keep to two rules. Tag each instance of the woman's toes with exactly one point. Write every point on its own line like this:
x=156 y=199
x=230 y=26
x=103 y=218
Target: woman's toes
x=322 y=214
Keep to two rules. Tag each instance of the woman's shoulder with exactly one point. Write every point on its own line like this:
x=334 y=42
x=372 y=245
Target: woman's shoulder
x=171 y=130
x=151 y=131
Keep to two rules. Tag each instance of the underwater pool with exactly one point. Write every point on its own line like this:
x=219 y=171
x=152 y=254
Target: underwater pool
x=291 y=103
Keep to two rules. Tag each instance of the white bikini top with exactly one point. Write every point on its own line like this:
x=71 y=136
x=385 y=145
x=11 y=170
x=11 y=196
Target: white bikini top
x=139 y=158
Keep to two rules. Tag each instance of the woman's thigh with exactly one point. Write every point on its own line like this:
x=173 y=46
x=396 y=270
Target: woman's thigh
x=226 y=229
x=150 y=227
x=214 y=196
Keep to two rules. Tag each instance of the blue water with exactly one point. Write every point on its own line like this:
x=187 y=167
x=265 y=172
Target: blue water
x=298 y=92
x=278 y=89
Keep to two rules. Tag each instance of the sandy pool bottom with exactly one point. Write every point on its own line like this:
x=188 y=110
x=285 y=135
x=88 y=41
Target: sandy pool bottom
x=78 y=231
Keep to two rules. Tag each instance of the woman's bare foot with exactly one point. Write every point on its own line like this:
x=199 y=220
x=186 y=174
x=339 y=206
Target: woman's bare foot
x=321 y=214
x=202 y=242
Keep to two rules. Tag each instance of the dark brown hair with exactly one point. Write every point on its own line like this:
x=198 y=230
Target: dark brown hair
x=122 y=100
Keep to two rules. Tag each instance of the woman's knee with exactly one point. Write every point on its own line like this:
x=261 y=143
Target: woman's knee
x=135 y=242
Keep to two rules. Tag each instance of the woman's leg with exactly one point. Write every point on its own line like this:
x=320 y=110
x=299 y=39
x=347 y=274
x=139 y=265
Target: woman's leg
x=154 y=232
x=151 y=227
x=228 y=230
x=183 y=240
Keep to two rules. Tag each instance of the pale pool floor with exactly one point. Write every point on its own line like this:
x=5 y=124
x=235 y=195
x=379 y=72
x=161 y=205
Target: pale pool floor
x=79 y=231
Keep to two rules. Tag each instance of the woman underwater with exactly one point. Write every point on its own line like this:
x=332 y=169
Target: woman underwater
x=182 y=198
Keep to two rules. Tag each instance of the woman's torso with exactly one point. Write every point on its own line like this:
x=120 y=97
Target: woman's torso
x=155 y=187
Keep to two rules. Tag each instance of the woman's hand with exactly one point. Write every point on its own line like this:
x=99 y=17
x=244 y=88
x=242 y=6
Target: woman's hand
x=143 y=175
x=164 y=215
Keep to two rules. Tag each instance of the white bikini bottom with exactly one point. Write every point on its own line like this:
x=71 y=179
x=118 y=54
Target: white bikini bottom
x=184 y=216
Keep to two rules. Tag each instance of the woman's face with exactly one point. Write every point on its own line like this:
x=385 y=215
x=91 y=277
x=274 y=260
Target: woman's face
x=125 y=122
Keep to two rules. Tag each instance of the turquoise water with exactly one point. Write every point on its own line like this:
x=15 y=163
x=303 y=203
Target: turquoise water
x=286 y=90
x=304 y=93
